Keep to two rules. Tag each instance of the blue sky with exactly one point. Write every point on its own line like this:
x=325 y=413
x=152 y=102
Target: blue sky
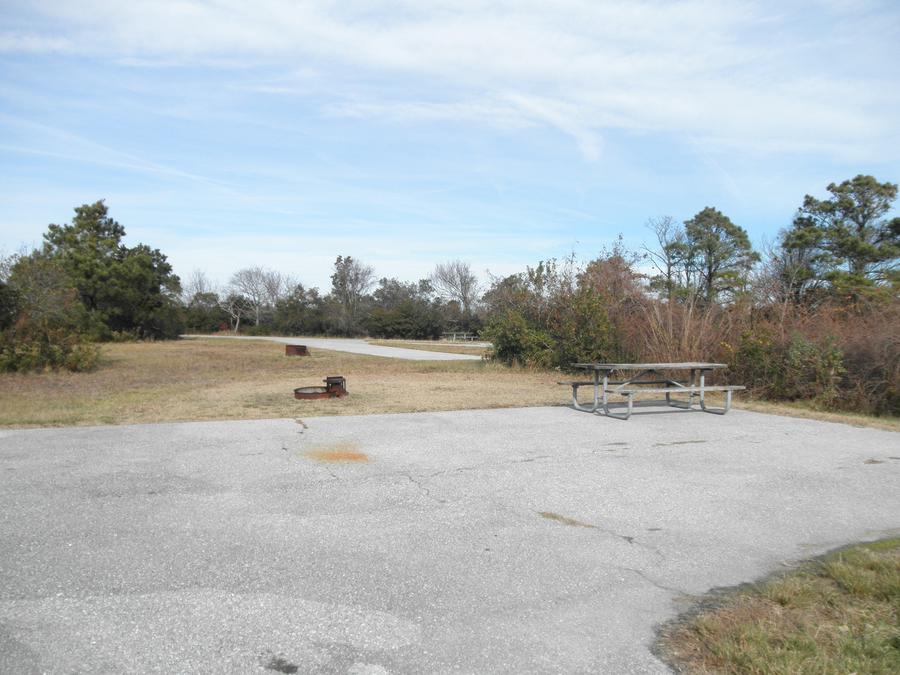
x=283 y=133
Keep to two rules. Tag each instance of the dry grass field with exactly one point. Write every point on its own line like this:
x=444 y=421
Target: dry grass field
x=223 y=379
x=199 y=379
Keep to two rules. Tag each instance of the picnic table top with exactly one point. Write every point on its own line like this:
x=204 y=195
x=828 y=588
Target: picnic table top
x=687 y=365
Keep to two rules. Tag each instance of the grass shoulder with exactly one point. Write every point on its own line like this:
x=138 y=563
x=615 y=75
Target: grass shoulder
x=837 y=614
x=808 y=411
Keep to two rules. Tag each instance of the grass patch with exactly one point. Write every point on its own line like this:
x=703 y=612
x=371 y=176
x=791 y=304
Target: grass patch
x=198 y=379
x=839 y=614
x=805 y=410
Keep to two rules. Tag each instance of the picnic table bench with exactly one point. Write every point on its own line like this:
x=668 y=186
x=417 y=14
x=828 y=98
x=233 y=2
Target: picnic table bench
x=695 y=386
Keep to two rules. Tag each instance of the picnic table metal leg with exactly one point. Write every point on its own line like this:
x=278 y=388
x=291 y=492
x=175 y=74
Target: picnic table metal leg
x=575 y=398
x=618 y=416
x=606 y=400
x=679 y=404
x=703 y=400
x=596 y=387
x=605 y=387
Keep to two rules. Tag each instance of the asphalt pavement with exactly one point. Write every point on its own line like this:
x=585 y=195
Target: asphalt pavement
x=352 y=346
x=538 y=540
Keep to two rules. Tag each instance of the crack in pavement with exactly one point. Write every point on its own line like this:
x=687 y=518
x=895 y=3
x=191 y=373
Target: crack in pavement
x=653 y=582
x=424 y=490
x=525 y=512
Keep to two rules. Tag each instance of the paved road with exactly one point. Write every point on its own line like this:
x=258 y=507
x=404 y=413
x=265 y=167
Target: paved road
x=354 y=347
x=532 y=540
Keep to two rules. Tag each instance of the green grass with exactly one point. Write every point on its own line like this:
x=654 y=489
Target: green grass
x=840 y=614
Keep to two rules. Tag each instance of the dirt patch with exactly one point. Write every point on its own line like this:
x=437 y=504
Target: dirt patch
x=340 y=452
x=565 y=520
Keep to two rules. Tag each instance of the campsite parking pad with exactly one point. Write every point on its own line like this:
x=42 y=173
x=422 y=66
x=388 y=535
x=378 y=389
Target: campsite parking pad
x=520 y=540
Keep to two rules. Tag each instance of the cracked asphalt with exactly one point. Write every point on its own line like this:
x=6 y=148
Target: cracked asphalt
x=538 y=540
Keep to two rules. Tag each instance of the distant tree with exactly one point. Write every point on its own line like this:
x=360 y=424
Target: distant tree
x=9 y=305
x=845 y=240
x=665 y=256
x=123 y=289
x=613 y=274
x=204 y=313
x=793 y=271
x=350 y=283
x=277 y=286
x=9 y=302
x=201 y=305
x=300 y=312
x=404 y=310
x=236 y=307
x=391 y=292
x=198 y=283
x=251 y=285
x=716 y=253
x=454 y=280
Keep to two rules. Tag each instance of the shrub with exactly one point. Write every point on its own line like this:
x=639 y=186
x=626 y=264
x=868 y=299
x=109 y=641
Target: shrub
x=27 y=347
x=514 y=342
x=409 y=319
x=795 y=369
x=582 y=330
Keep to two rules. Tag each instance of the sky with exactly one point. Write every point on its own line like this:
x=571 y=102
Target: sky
x=283 y=133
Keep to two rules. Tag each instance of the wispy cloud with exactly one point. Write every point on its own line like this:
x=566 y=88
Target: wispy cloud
x=284 y=132
x=64 y=144
x=31 y=43
x=741 y=75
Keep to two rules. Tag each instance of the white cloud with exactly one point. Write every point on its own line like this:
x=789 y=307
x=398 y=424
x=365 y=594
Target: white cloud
x=733 y=75
x=31 y=43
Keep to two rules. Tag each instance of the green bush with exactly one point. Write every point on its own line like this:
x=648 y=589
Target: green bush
x=409 y=319
x=582 y=330
x=515 y=342
x=9 y=305
x=795 y=369
x=26 y=348
x=573 y=327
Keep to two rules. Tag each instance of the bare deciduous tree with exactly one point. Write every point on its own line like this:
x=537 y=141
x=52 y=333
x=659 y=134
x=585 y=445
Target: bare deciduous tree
x=262 y=288
x=198 y=284
x=455 y=280
x=664 y=259
x=237 y=307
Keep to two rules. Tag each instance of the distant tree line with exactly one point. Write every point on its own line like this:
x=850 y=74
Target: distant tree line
x=260 y=301
x=814 y=315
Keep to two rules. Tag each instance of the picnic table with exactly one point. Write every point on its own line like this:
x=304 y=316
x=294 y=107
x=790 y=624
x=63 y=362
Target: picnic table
x=635 y=381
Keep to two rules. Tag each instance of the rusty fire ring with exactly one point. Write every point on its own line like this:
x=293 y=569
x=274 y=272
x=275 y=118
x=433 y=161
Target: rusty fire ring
x=335 y=387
